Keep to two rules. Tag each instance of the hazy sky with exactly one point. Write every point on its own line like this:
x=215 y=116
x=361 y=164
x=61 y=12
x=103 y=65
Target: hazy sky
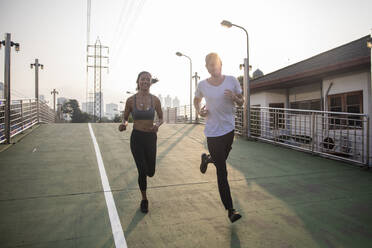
x=145 y=34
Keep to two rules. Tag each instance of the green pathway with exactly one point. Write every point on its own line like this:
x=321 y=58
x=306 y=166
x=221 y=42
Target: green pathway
x=51 y=194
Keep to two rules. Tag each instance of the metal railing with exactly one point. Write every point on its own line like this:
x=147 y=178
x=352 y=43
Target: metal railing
x=337 y=135
x=332 y=134
x=24 y=113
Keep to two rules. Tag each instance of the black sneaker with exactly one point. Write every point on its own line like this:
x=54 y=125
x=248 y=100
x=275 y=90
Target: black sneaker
x=204 y=163
x=144 y=206
x=233 y=215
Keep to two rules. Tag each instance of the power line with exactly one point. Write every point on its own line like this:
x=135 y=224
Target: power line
x=123 y=9
x=123 y=24
x=126 y=32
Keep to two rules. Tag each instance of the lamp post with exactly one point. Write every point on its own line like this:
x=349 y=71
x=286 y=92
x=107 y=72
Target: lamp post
x=180 y=54
x=37 y=65
x=8 y=44
x=246 y=88
x=369 y=45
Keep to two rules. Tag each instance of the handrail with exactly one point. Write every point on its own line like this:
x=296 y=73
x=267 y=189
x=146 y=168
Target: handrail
x=23 y=115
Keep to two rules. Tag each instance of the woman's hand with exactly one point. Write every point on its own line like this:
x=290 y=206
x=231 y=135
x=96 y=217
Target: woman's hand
x=203 y=112
x=154 y=128
x=123 y=127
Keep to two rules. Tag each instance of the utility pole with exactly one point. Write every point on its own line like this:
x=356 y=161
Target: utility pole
x=36 y=64
x=196 y=77
x=54 y=92
x=97 y=66
x=7 y=43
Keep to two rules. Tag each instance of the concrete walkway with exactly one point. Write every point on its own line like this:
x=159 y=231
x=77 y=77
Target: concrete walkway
x=51 y=194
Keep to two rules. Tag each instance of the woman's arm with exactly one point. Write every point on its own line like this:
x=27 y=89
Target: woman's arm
x=159 y=112
x=126 y=112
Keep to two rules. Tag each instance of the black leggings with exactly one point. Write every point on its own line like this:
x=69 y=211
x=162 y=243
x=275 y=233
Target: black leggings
x=143 y=147
x=219 y=149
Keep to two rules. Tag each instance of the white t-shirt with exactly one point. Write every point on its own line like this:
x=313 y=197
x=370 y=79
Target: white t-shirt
x=221 y=110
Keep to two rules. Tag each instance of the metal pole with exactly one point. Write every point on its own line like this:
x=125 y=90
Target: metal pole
x=246 y=115
x=196 y=85
x=54 y=92
x=247 y=94
x=37 y=88
x=94 y=90
x=7 y=87
x=100 y=83
x=190 y=89
x=369 y=126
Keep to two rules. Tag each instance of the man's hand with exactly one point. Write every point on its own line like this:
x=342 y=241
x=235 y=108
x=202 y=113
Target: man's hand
x=237 y=98
x=229 y=94
x=203 y=112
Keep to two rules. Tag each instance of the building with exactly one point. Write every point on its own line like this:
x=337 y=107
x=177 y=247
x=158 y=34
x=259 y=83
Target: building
x=338 y=80
x=90 y=104
x=62 y=100
x=167 y=102
x=176 y=103
x=111 y=110
x=2 y=90
x=87 y=107
x=161 y=99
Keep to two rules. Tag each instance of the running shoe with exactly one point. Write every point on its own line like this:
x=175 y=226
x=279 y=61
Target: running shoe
x=144 y=206
x=233 y=215
x=204 y=163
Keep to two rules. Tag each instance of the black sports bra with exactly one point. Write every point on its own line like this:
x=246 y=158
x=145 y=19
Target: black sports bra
x=143 y=114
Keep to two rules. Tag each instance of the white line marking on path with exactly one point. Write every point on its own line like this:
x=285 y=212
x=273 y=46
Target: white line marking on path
x=117 y=230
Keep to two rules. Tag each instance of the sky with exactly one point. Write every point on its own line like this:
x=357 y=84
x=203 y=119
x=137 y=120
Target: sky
x=146 y=34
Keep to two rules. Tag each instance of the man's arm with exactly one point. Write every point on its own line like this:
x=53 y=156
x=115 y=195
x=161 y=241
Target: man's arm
x=238 y=99
x=197 y=102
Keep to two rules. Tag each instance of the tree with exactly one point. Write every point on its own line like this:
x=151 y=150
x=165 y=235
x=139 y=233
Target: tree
x=73 y=110
x=118 y=118
x=241 y=79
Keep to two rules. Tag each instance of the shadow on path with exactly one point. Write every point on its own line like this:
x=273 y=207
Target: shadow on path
x=138 y=216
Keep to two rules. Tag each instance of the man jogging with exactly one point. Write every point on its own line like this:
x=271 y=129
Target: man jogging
x=221 y=92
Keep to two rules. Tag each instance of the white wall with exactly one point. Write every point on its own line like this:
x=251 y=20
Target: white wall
x=305 y=92
x=258 y=99
x=264 y=98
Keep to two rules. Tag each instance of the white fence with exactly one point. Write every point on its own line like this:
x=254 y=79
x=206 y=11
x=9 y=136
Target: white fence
x=24 y=114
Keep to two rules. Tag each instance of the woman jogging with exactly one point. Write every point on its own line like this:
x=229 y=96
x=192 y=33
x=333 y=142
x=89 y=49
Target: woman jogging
x=142 y=106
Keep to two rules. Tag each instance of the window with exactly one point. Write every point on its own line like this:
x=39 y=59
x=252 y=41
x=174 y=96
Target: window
x=306 y=105
x=351 y=102
x=277 y=118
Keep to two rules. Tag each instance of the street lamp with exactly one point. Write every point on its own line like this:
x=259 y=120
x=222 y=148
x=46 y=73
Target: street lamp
x=246 y=88
x=369 y=45
x=180 y=54
x=37 y=65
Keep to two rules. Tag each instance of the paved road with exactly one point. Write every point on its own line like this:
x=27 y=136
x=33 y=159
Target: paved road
x=52 y=195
